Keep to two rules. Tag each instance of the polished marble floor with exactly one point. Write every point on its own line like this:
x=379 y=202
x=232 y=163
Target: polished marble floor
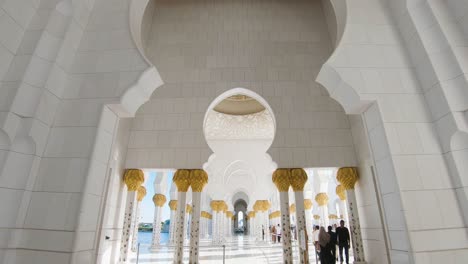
x=239 y=249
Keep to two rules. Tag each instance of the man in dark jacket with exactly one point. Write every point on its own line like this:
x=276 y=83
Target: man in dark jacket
x=333 y=241
x=343 y=241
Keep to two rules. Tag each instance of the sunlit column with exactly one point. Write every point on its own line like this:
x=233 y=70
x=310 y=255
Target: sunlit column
x=341 y=192
x=322 y=201
x=133 y=179
x=348 y=177
x=182 y=180
x=158 y=200
x=173 y=221
x=298 y=180
x=141 y=193
x=198 y=179
x=308 y=213
x=216 y=206
x=281 y=180
x=188 y=218
x=251 y=215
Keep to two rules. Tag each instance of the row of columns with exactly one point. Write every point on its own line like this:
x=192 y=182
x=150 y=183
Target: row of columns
x=296 y=178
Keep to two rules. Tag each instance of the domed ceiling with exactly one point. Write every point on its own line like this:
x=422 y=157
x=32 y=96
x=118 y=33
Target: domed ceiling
x=239 y=105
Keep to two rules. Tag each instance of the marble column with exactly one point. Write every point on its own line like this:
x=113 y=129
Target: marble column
x=173 y=221
x=198 y=180
x=298 y=180
x=281 y=180
x=133 y=178
x=308 y=214
x=182 y=180
x=216 y=207
x=141 y=193
x=348 y=177
x=251 y=215
x=159 y=200
x=188 y=218
x=341 y=192
x=322 y=201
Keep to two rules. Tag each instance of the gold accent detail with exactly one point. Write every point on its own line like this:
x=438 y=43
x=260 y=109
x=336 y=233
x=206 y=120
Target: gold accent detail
x=159 y=199
x=133 y=178
x=188 y=208
x=251 y=214
x=316 y=217
x=141 y=193
x=173 y=205
x=341 y=192
x=261 y=205
x=281 y=179
x=218 y=206
x=198 y=180
x=347 y=176
x=308 y=204
x=182 y=180
x=205 y=214
x=321 y=199
x=298 y=179
x=229 y=214
x=332 y=216
x=224 y=206
x=275 y=214
x=292 y=208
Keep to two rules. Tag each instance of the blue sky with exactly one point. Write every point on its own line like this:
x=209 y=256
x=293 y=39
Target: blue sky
x=147 y=205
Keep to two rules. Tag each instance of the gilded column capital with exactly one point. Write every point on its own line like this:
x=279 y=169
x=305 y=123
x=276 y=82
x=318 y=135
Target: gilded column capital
x=141 y=193
x=173 y=205
x=159 y=199
x=332 y=216
x=188 y=208
x=281 y=179
x=308 y=204
x=182 y=180
x=341 y=192
x=251 y=214
x=292 y=208
x=133 y=178
x=347 y=176
x=316 y=217
x=229 y=214
x=198 y=180
x=298 y=179
x=321 y=199
x=224 y=206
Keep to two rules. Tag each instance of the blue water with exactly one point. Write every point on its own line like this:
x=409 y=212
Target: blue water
x=144 y=238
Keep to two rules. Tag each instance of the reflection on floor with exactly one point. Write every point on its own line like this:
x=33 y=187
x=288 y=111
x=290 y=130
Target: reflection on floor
x=239 y=249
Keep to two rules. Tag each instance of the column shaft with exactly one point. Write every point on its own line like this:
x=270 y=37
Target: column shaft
x=179 y=232
x=172 y=225
x=355 y=227
x=128 y=226
x=194 y=229
x=301 y=227
x=285 y=228
x=156 y=239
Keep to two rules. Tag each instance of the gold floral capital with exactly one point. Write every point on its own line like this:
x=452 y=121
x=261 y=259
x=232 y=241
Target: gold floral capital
x=308 y=204
x=251 y=214
x=159 y=199
x=321 y=199
x=229 y=214
x=182 y=180
x=298 y=179
x=316 y=217
x=198 y=180
x=133 y=178
x=188 y=209
x=173 y=205
x=292 y=208
x=141 y=193
x=347 y=176
x=281 y=179
x=341 y=192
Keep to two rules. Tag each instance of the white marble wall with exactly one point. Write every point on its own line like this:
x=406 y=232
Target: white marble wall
x=218 y=47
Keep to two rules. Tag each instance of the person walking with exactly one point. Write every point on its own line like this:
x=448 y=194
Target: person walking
x=273 y=234
x=324 y=243
x=342 y=233
x=278 y=233
x=333 y=241
x=263 y=233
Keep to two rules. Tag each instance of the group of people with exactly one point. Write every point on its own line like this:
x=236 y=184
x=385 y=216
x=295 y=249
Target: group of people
x=326 y=242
